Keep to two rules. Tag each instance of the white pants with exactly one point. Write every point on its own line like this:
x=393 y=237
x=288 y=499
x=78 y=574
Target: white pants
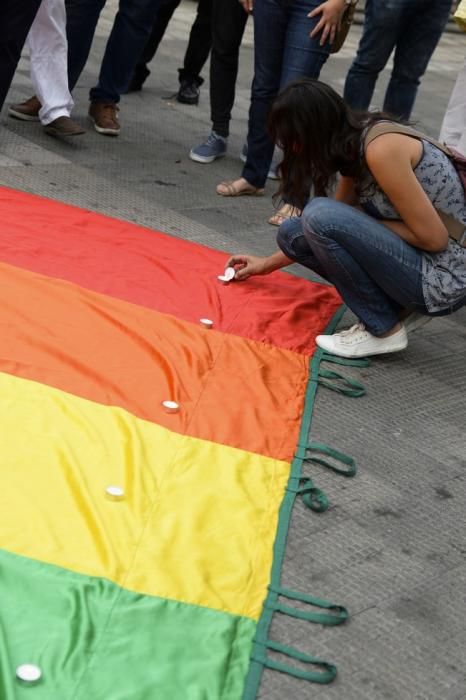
x=48 y=50
x=453 y=131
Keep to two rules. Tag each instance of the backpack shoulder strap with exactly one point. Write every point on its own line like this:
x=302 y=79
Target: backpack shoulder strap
x=386 y=127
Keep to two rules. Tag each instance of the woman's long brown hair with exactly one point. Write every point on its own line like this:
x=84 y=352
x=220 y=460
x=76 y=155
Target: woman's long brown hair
x=320 y=136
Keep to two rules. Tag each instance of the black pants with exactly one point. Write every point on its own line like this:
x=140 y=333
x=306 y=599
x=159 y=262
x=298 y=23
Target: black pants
x=200 y=41
x=16 y=17
x=228 y=24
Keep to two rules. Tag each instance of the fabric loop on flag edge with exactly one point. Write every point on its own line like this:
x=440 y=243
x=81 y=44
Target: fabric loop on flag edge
x=338 y=613
x=327 y=674
x=320 y=448
x=340 y=383
x=312 y=497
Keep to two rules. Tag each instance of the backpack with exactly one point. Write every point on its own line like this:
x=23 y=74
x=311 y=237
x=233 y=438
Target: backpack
x=456 y=229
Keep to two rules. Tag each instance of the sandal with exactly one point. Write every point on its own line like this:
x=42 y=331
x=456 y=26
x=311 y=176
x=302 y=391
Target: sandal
x=231 y=191
x=284 y=213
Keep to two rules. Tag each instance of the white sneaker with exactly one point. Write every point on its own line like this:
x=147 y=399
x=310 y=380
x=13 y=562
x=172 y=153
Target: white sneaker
x=415 y=320
x=358 y=342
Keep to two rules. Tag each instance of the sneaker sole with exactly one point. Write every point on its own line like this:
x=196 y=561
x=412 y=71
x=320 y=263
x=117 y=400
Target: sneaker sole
x=23 y=117
x=102 y=130
x=205 y=159
x=368 y=353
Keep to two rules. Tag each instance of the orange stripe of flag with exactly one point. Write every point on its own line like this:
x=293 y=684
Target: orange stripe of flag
x=231 y=390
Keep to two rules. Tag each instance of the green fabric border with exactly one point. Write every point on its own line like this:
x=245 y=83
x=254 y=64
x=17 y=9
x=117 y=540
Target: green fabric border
x=256 y=668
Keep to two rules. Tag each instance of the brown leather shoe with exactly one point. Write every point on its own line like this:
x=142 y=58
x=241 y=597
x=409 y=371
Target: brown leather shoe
x=64 y=126
x=28 y=110
x=105 y=118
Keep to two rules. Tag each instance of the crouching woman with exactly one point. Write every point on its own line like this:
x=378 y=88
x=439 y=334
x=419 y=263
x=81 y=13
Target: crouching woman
x=384 y=240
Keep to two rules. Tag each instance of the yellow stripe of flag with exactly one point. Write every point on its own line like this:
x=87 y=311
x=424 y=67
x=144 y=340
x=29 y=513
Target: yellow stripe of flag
x=198 y=520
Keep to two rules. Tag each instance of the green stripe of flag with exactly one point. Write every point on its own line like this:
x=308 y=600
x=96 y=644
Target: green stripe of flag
x=96 y=641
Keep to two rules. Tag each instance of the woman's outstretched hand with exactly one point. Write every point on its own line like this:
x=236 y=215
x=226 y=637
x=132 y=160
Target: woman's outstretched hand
x=331 y=13
x=248 y=266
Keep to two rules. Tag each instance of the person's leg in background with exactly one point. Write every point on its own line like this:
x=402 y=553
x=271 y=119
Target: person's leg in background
x=16 y=19
x=453 y=131
x=197 y=53
x=48 y=50
x=302 y=56
x=131 y=29
x=162 y=19
x=418 y=38
x=228 y=25
x=81 y=22
x=383 y=22
x=271 y=19
x=283 y=50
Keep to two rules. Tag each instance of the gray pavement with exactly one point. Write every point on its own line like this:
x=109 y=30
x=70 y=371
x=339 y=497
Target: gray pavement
x=393 y=545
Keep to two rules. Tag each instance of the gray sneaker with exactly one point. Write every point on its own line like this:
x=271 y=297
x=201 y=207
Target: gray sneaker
x=215 y=147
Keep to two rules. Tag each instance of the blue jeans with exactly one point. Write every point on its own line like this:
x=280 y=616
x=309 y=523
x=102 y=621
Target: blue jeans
x=376 y=272
x=411 y=27
x=283 y=51
x=131 y=29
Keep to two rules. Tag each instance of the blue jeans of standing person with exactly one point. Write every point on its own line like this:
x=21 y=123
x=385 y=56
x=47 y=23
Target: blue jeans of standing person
x=411 y=27
x=131 y=29
x=375 y=271
x=283 y=51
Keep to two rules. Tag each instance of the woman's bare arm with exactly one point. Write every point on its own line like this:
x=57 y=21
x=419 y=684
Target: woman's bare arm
x=391 y=158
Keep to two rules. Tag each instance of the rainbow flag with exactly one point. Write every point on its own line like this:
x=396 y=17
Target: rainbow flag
x=137 y=545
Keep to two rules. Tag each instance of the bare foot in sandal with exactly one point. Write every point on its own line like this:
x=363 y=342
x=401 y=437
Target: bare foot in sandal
x=285 y=212
x=239 y=188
